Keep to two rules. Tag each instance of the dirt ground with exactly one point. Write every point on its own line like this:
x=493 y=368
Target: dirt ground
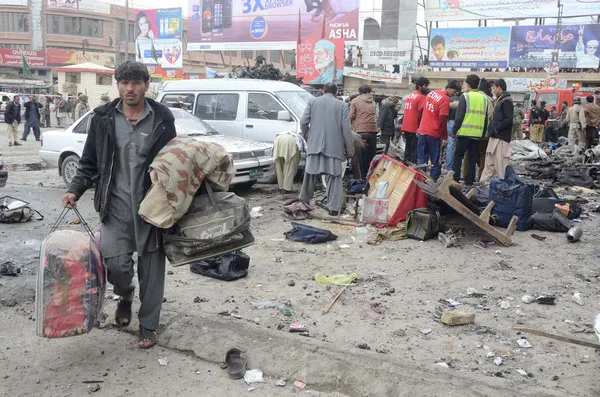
x=389 y=314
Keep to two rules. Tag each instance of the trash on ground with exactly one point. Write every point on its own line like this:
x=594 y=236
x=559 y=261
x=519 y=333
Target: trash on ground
x=228 y=267
x=442 y=364
x=522 y=372
x=527 y=299
x=256 y=212
x=451 y=302
x=280 y=383
x=297 y=327
x=338 y=279
x=299 y=385
x=597 y=326
x=389 y=234
x=163 y=361
x=578 y=298
x=574 y=234
x=448 y=239
x=298 y=210
x=504 y=304
x=93 y=388
x=9 y=269
x=538 y=237
x=498 y=361
x=268 y=305
x=546 y=300
x=562 y=338
x=309 y=234
x=482 y=244
x=585 y=359
x=253 y=376
x=335 y=298
x=524 y=343
x=426 y=331
x=457 y=317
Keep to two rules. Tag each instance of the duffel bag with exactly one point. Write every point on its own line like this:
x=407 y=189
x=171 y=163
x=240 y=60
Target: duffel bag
x=511 y=197
x=216 y=223
x=423 y=224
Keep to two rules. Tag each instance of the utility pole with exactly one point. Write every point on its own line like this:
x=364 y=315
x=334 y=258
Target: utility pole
x=126 y=30
x=558 y=42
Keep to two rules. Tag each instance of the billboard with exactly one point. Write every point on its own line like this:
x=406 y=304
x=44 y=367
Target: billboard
x=532 y=46
x=526 y=84
x=12 y=57
x=268 y=24
x=470 y=47
x=462 y=10
x=373 y=75
x=376 y=55
x=158 y=41
x=73 y=57
x=64 y=4
x=320 y=61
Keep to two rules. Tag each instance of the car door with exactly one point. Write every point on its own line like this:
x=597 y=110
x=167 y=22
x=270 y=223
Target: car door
x=261 y=123
x=221 y=110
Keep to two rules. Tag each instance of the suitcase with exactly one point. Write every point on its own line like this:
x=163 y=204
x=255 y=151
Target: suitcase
x=71 y=284
x=512 y=197
x=423 y=224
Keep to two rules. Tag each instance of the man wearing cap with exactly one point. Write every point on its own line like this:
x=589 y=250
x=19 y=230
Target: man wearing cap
x=434 y=127
x=497 y=154
x=576 y=121
x=325 y=63
x=469 y=127
x=586 y=57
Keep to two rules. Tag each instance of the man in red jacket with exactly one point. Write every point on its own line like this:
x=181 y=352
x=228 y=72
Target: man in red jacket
x=413 y=110
x=434 y=127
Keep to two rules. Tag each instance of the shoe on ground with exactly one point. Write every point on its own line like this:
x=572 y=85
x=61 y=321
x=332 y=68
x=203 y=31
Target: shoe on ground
x=24 y=139
x=334 y=213
x=17 y=144
x=10 y=144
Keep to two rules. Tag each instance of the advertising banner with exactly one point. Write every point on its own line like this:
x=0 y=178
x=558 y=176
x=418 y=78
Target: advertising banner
x=64 y=4
x=11 y=57
x=462 y=10
x=532 y=46
x=320 y=61
x=56 y=57
x=376 y=55
x=470 y=47
x=268 y=24
x=526 y=84
x=165 y=74
x=373 y=75
x=165 y=23
x=167 y=53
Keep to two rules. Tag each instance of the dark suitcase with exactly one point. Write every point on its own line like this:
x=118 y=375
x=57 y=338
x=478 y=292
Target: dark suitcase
x=423 y=224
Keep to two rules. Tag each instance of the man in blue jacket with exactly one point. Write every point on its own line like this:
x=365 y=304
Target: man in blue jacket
x=497 y=154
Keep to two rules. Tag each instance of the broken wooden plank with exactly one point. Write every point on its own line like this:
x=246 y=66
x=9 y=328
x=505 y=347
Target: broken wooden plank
x=441 y=190
x=326 y=218
x=335 y=298
x=561 y=338
x=485 y=215
x=471 y=193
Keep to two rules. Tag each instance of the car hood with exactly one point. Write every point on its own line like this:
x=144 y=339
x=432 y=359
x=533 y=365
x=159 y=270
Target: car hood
x=233 y=144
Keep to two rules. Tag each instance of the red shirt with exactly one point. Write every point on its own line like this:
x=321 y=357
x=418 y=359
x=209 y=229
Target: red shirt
x=437 y=106
x=413 y=107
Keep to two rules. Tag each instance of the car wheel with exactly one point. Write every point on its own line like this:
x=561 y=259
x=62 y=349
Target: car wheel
x=69 y=169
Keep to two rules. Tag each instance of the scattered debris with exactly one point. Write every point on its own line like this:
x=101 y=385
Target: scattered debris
x=527 y=299
x=297 y=327
x=200 y=300
x=442 y=364
x=574 y=234
x=93 y=388
x=524 y=343
x=256 y=212
x=546 y=299
x=457 y=317
x=578 y=298
x=291 y=283
x=363 y=346
x=335 y=298
x=522 y=372
x=451 y=302
x=426 y=331
x=482 y=244
x=338 y=279
x=280 y=383
x=9 y=269
x=498 y=361
x=504 y=304
x=268 y=305
x=538 y=237
x=585 y=359
x=163 y=361
x=253 y=376
x=449 y=239
x=287 y=313
x=8 y=302
x=560 y=337
x=471 y=291
x=299 y=385
x=498 y=252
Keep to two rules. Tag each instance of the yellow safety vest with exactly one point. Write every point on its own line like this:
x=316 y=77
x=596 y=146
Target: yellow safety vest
x=474 y=121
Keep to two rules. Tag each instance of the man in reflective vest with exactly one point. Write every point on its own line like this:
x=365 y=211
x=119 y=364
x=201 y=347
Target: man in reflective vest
x=469 y=127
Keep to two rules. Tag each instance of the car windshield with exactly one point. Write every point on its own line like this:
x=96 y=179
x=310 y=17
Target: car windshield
x=295 y=100
x=188 y=124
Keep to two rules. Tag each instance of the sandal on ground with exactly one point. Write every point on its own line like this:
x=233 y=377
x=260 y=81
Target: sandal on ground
x=147 y=335
x=123 y=313
x=236 y=363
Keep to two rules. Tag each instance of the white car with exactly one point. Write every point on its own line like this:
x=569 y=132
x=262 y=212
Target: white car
x=252 y=160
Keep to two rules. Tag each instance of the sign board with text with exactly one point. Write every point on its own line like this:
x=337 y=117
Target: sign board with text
x=12 y=57
x=372 y=75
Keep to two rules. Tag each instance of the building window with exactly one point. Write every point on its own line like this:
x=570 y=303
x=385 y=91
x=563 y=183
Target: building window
x=42 y=72
x=103 y=79
x=75 y=26
x=214 y=52
x=16 y=22
x=247 y=54
x=72 y=77
x=15 y=46
x=289 y=57
x=231 y=53
x=121 y=36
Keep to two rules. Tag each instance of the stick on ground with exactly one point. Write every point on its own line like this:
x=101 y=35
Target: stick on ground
x=335 y=298
x=556 y=337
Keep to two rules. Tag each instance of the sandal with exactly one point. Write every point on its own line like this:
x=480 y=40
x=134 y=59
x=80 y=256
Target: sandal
x=123 y=313
x=147 y=335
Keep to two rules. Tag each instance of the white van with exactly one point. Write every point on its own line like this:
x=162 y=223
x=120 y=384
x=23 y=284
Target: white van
x=252 y=109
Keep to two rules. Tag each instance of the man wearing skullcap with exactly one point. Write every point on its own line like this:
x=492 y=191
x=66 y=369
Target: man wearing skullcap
x=325 y=63
x=586 y=57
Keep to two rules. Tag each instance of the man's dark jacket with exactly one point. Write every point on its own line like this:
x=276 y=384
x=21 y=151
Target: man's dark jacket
x=12 y=113
x=502 y=122
x=387 y=116
x=97 y=160
x=31 y=105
